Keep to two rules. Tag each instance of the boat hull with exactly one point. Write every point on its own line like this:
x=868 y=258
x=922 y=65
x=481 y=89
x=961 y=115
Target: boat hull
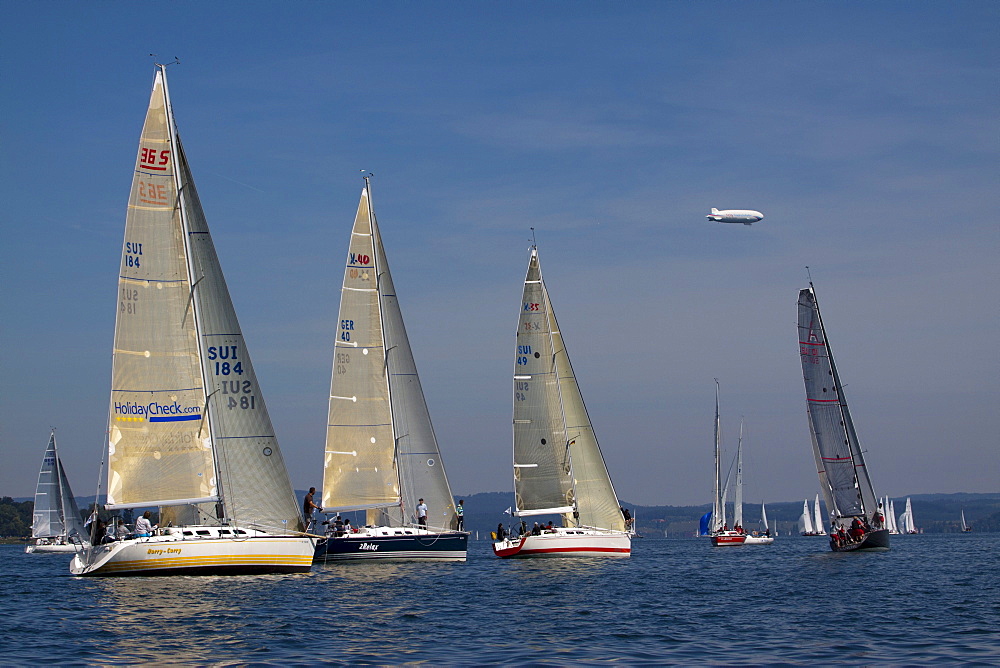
x=727 y=538
x=52 y=548
x=759 y=540
x=180 y=555
x=389 y=544
x=566 y=543
x=873 y=540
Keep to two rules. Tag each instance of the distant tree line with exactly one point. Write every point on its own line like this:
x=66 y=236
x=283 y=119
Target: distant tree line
x=15 y=518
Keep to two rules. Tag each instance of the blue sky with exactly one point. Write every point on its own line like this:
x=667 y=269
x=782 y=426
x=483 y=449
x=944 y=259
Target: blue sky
x=868 y=134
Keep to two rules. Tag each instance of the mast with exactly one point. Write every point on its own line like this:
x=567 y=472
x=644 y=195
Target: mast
x=738 y=503
x=193 y=282
x=718 y=503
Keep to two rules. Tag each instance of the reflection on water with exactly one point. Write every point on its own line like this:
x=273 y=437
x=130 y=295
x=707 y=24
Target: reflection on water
x=931 y=599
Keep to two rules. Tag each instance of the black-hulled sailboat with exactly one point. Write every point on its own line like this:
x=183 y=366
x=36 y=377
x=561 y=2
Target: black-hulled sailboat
x=381 y=455
x=857 y=519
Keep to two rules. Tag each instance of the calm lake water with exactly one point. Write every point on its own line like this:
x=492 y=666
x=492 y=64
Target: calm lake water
x=932 y=599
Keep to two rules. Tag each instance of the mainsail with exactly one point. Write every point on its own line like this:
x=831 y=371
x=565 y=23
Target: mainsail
x=842 y=472
x=55 y=511
x=381 y=451
x=187 y=423
x=558 y=466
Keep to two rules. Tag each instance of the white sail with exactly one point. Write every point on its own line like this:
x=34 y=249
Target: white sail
x=187 y=424
x=840 y=464
x=818 y=523
x=558 y=466
x=55 y=513
x=892 y=516
x=965 y=527
x=805 y=519
x=381 y=451
x=763 y=516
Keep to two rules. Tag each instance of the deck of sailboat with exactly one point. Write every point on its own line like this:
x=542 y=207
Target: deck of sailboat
x=566 y=542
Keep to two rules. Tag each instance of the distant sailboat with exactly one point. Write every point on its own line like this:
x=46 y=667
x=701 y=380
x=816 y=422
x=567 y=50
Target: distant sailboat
x=721 y=534
x=56 y=524
x=818 y=523
x=188 y=431
x=381 y=454
x=558 y=466
x=890 y=516
x=843 y=475
x=906 y=523
x=806 y=527
x=965 y=527
x=764 y=537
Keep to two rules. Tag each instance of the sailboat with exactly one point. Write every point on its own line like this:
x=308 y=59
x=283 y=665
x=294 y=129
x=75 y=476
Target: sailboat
x=381 y=455
x=843 y=475
x=965 y=527
x=188 y=431
x=906 y=523
x=56 y=525
x=558 y=466
x=720 y=534
x=890 y=516
x=818 y=523
x=805 y=521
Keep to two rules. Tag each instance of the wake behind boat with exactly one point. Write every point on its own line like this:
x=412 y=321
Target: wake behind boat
x=188 y=431
x=857 y=520
x=56 y=524
x=558 y=466
x=381 y=455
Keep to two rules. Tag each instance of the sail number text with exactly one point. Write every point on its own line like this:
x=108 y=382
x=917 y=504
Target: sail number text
x=340 y=362
x=522 y=354
x=346 y=327
x=226 y=362
x=150 y=158
x=520 y=390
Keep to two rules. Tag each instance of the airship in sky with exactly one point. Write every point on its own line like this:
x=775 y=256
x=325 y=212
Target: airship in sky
x=745 y=216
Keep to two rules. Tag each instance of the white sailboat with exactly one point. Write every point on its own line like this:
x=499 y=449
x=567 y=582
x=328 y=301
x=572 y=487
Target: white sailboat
x=891 y=516
x=558 y=466
x=906 y=523
x=805 y=520
x=381 y=455
x=965 y=527
x=818 y=523
x=56 y=525
x=843 y=475
x=188 y=431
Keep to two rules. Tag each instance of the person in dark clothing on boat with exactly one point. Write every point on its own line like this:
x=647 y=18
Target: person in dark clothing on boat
x=501 y=533
x=524 y=528
x=308 y=506
x=460 y=514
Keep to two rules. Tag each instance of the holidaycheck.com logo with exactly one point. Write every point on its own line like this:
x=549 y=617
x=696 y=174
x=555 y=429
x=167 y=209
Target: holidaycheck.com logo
x=154 y=411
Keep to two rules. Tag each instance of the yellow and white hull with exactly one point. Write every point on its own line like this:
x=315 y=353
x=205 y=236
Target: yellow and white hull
x=197 y=551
